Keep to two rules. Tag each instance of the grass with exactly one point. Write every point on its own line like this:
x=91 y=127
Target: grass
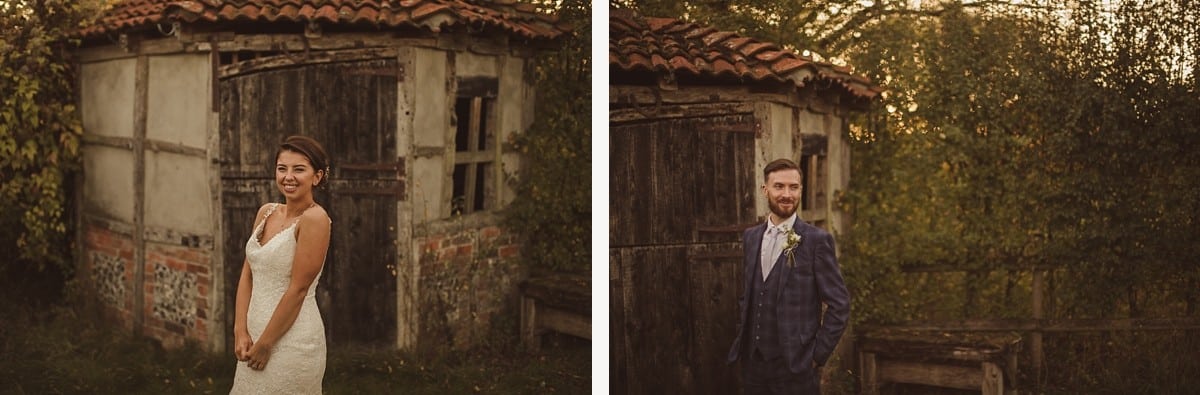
x=58 y=347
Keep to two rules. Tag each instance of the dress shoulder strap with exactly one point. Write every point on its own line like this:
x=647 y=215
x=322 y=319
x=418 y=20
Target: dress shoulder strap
x=263 y=222
x=271 y=209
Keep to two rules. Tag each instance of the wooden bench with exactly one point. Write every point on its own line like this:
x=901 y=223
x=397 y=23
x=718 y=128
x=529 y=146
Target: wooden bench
x=560 y=303
x=963 y=361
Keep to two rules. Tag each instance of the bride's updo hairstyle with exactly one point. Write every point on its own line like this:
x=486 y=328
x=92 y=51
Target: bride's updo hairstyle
x=312 y=150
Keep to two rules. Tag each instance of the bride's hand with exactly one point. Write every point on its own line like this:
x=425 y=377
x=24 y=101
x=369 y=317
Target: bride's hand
x=241 y=346
x=257 y=356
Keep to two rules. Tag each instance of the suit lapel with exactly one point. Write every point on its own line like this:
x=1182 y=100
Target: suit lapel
x=782 y=260
x=754 y=253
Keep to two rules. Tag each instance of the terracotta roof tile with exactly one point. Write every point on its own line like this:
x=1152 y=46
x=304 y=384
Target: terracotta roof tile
x=518 y=19
x=640 y=44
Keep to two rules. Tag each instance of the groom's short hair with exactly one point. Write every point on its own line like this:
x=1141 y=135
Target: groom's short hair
x=780 y=164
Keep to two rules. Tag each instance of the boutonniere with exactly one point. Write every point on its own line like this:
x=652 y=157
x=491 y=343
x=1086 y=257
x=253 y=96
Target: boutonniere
x=789 y=249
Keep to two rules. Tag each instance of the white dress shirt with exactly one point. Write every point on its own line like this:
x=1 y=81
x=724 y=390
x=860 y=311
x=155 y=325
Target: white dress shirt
x=773 y=242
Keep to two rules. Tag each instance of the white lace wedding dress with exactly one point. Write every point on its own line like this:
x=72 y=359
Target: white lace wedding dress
x=297 y=363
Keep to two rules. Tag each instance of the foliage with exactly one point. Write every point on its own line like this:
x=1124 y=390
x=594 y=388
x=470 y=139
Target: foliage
x=1053 y=134
x=54 y=349
x=1057 y=144
x=39 y=126
x=552 y=209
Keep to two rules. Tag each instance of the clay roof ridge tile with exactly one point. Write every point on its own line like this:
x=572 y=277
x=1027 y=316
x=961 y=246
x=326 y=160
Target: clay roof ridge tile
x=368 y=15
x=677 y=28
x=724 y=67
x=736 y=43
x=227 y=11
x=684 y=63
x=326 y=12
x=657 y=24
x=289 y=11
x=787 y=65
x=713 y=38
x=752 y=49
x=427 y=9
x=695 y=32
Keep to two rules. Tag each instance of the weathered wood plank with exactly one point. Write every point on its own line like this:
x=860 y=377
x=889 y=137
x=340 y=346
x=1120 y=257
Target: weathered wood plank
x=1052 y=325
x=656 y=343
x=329 y=41
x=936 y=375
x=670 y=179
x=353 y=114
x=568 y=322
x=562 y=291
x=993 y=379
x=696 y=110
x=529 y=330
x=141 y=99
x=617 y=334
x=306 y=56
x=869 y=370
x=715 y=286
x=622 y=96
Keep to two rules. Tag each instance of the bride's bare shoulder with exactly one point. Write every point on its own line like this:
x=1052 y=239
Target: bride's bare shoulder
x=315 y=215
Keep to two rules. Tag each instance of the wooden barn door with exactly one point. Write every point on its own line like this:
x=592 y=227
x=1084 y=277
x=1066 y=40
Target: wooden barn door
x=350 y=107
x=682 y=191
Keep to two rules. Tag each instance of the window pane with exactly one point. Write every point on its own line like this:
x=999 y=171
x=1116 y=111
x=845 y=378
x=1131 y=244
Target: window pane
x=459 y=200
x=462 y=119
x=484 y=111
x=481 y=177
x=806 y=181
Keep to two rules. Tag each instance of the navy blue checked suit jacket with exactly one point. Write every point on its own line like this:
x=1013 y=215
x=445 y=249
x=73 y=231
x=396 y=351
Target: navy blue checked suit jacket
x=805 y=335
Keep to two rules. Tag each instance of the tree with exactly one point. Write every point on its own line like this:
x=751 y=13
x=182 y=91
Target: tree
x=552 y=210
x=39 y=127
x=1014 y=135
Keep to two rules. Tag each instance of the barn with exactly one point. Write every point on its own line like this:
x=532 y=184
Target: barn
x=695 y=113
x=184 y=102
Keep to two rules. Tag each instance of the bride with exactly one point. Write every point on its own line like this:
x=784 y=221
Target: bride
x=279 y=338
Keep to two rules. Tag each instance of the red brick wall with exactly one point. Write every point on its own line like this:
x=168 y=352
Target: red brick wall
x=176 y=285
x=468 y=280
x=109 y=259
x=177 y=294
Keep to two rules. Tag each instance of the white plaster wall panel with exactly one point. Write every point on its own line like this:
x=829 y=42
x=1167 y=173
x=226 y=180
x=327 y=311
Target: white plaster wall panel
x=180 y=91
x=812 y=123
x=427 y=184
x=108 y=182
x=839 y=170
x=177 y=193
x=515 y=96
x=510 y=172
x=467 y=64
x=776 y=142
x=406 y=93
x=431 y=117
x=783 y=133
x=106 y=97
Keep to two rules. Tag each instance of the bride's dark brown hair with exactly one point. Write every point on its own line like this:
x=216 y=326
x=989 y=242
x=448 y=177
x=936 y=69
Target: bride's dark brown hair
x=312 y=150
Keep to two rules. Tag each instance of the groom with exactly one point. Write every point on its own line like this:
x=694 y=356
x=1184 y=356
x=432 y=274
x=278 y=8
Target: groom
x=783 y=336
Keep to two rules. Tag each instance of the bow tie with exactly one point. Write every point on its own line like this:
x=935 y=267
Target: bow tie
x=778 y=228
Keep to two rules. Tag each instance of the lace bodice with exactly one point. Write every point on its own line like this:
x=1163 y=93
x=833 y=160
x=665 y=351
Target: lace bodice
x=297 y=363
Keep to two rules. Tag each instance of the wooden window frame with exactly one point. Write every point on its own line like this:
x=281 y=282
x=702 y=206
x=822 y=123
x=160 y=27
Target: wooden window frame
x=479 y=163
x=814 y=168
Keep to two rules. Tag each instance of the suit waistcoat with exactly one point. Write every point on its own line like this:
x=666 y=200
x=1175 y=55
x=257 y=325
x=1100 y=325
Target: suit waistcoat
x=764 y=321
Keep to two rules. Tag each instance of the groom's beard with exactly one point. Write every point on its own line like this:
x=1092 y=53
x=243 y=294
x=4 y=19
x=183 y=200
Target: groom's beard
x=779 y=211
